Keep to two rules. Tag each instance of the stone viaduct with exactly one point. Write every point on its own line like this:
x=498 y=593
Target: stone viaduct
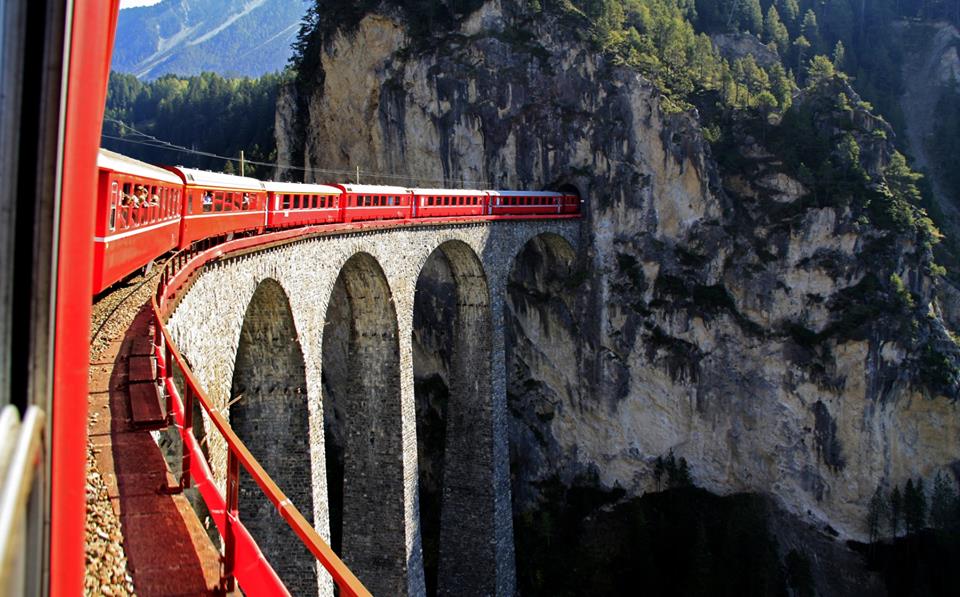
x=341 y=441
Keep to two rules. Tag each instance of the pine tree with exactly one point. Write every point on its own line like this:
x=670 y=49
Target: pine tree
x=839 y=55
x=682 y=478
x=914 y=506
x=751 y=16
x=942 y=502
x=775 y=31
x=781 y=86
x=810 y=29
x=658 y=470
x=821 y=69
x=790 y=10
x=896 y=510
x=801 y=45
x=877 y=512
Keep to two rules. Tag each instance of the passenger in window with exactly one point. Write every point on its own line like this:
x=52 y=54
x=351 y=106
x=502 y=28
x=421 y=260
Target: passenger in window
x=246 y=201
x=208 y=201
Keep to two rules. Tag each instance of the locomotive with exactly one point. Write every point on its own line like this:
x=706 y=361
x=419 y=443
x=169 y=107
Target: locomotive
x=144 y=211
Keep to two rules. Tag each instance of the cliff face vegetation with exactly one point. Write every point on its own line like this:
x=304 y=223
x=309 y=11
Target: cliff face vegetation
x=758 y=291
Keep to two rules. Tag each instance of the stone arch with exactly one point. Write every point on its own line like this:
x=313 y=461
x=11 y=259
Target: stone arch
x=268 y=411
x=540 y=346
x=362 y=416
x=452 y=377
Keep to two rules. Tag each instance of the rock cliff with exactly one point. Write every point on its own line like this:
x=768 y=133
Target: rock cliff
x=780 y=340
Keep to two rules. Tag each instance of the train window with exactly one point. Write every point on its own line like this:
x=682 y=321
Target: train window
x=218 y=201
x=286 y=202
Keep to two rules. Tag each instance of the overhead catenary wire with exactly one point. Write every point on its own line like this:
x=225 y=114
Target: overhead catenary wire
x=149 y=140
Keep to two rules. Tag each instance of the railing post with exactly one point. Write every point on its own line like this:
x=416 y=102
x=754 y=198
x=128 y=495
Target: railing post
x=188 y=428
x=231 y=515
x=168 y=375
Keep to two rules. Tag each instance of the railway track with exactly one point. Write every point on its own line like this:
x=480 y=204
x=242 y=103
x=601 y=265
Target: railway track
x=106 y=562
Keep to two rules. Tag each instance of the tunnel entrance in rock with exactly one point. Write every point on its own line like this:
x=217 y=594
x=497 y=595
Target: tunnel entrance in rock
x=541 y=350
x=569 y=189
x=268 y=411
x=362 y=423
x=451 y=364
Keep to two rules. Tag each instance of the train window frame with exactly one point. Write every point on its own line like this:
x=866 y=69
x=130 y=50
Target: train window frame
x=218 y=201
x=112 y=218
x=285 y=202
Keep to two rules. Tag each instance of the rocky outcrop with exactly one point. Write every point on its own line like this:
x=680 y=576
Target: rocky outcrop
x=733 y=46
x=720 y=314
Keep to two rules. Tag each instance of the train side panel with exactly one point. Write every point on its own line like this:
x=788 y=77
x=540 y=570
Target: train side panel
x=374 y=202
x=294 y=204
x=228 y=211
x=440 y=203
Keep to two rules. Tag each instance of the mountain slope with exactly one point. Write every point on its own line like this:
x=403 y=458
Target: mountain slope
x=186 y=37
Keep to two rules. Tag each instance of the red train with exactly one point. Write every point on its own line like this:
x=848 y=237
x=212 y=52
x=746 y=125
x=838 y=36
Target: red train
x=144 y=211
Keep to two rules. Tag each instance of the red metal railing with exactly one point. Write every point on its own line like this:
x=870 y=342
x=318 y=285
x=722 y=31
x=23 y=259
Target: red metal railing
x=243 y=560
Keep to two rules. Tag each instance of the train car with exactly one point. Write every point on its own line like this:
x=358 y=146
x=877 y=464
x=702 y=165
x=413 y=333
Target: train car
x=218 y=204
x=374 y=202
x=435 y=203
x=138 y=216
x=526 y=203
x=293 y=204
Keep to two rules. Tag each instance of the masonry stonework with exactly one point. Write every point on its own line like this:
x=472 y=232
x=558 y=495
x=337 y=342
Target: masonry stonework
x=380 y=270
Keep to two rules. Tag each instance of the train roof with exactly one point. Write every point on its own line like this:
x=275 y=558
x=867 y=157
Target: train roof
x=205 y=178
x=299 y=187
x=374 y=189
x=525 y=194
x=111 y=160
x=450 y=192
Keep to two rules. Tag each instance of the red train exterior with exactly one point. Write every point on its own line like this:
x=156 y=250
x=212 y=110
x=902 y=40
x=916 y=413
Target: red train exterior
x=375 y=202
x=132 y=228
x=293 y=204
x=438 y=203
x=218 y=204
x=516 y=203
x=180 y=206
